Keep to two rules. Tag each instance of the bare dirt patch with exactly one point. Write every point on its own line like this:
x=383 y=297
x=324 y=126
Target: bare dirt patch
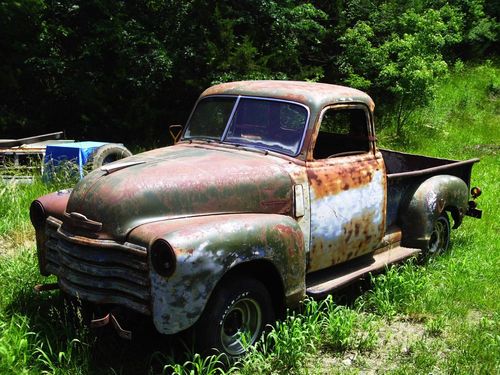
x=395 y=340
x=9 y=246
x=474 y=316
x=487 y=149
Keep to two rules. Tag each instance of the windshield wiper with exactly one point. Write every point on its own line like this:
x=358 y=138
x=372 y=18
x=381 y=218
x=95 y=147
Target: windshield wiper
x=203 y=139
x=249 y=147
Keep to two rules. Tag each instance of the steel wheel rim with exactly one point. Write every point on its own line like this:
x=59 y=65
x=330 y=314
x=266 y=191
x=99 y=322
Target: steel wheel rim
x=439 y=237
x=244 y=318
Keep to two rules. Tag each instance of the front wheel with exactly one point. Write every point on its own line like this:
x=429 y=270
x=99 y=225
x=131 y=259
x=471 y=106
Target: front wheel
x=440 y=236
x=235 y=317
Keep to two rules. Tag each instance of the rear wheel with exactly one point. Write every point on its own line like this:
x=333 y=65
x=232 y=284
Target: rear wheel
x=235 y=317
x=440 y=236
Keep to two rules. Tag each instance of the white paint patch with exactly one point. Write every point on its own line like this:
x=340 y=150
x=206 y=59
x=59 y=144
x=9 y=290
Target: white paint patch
x=331 y=214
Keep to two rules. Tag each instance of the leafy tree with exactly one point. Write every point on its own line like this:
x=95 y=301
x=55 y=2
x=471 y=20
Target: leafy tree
x=401 y=59
x=479 y=27
x=122 y=70
x=119 y=70
x=20 y=25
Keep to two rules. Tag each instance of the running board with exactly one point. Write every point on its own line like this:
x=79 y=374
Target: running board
x=325 y=282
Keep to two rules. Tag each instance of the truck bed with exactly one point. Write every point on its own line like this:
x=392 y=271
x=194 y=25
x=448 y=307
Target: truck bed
x=406 y=171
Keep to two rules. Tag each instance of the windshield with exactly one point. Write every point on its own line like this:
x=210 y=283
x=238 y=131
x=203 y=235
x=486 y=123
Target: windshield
x=268 y=124
x=210 y=118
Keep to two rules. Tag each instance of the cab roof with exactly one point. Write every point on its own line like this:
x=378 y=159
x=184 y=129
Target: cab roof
x=314 y=95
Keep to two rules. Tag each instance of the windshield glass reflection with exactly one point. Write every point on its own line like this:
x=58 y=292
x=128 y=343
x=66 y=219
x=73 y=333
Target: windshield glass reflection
x=266 y=124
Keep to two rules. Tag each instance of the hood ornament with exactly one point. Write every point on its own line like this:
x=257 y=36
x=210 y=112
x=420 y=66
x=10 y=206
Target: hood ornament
x=78 y=220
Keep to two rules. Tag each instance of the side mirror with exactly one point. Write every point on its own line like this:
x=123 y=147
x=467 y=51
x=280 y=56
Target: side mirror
x=175 y=132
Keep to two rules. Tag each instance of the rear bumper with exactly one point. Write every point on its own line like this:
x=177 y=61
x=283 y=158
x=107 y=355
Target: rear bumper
x=474 y=212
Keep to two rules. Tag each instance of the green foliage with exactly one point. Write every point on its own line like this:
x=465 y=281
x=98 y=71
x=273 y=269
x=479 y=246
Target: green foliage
x=322 y=326
x=464 y=111
x=15 y=200
x=20 y=26
x=347 y=329
x=396 y=290
x=435 y=327
x=28 y=343
x=403 y=58
x=107 y=69
x=286 y=347
x=211 y=365
x=479 y=29
x=14 y=344
x=122 y=71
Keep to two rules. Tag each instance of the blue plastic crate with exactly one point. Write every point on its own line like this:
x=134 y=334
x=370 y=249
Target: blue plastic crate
x=78 y=153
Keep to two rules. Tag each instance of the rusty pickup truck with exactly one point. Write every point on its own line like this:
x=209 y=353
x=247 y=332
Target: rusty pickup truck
x=274 y=191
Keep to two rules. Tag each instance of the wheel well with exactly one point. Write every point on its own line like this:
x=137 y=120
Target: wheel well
x=266 y=273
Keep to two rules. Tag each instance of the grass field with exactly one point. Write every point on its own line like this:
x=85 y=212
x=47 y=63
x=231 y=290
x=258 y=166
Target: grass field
x=442 y=317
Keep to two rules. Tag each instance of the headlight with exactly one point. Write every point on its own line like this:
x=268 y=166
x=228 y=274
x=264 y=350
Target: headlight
x=37 y=214
x=163 y=258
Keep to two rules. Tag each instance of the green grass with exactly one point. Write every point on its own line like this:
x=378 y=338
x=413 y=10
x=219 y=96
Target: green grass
x=438 y=317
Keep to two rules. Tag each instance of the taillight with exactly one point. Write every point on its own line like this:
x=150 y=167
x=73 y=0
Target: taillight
x=475 y=192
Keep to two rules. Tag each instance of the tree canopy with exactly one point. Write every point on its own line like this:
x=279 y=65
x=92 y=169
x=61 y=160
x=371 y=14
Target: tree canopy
x=125 y=70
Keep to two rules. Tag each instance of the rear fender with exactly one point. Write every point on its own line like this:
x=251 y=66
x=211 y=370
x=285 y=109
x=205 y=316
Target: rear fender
x=427 y=202
x=207 y=248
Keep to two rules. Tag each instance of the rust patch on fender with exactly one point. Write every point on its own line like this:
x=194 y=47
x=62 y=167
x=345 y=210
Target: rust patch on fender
x=292 y=238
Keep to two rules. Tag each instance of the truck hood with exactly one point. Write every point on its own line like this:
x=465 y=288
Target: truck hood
x=179 y=181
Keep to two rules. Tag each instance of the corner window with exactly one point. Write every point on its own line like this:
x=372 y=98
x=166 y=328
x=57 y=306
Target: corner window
x=343 y=131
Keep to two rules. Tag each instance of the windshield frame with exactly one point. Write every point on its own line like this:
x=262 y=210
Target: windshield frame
x=230 y=119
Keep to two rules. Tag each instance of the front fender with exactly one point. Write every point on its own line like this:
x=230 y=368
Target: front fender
x=208 y=247
x=428 y=201
x=53 y=204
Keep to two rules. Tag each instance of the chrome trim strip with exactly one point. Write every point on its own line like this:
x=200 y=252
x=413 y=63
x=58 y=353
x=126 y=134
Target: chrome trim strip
x=231 y=116
x=91 y=242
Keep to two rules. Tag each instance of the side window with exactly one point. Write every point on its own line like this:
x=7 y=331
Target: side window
x=343 y=131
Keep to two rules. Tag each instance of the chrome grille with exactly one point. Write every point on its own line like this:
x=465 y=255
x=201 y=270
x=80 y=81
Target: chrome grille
x=100 y=271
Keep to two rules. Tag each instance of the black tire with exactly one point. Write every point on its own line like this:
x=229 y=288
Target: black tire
x=236 y=306
x=108 y=154
x=440 y=236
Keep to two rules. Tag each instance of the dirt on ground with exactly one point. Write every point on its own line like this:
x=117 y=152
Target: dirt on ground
x=395 y=341
x=10 y=246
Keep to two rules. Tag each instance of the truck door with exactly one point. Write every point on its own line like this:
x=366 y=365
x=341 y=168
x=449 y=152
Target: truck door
x=347 y=188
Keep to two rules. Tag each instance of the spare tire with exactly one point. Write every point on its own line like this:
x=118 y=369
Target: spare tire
x=108 y=154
